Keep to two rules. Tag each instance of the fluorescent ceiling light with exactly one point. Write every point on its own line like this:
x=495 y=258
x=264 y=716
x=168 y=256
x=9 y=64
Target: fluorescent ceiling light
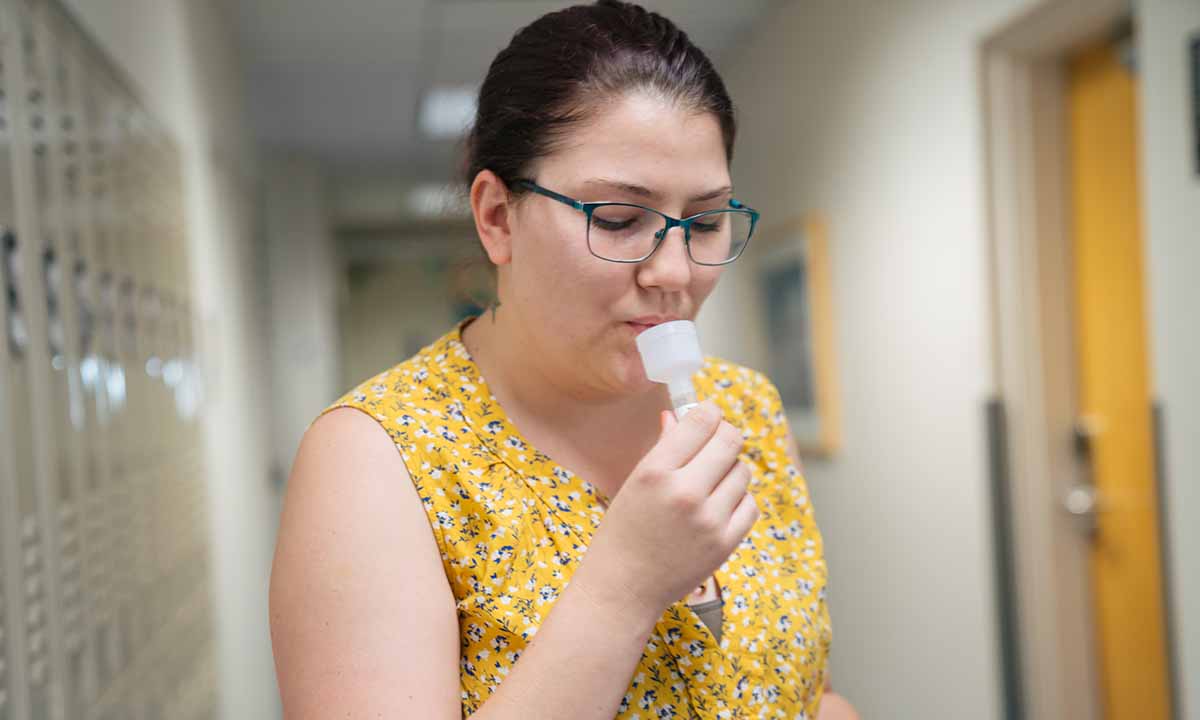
x=438 y=201
x=447 y=111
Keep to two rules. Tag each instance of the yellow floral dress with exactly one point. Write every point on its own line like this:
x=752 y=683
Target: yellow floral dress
x=512 y=526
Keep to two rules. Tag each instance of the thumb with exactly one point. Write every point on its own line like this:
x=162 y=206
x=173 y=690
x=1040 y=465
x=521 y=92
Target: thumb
x=667 y=421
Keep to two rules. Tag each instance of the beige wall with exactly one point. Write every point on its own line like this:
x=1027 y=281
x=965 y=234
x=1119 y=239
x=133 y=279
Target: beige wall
x=304 y=279
x=1172 y=231
x=390 y=310
x=869 y=112
x=181 y=58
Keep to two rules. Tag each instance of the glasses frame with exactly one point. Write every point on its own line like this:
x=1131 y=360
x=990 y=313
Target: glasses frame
x=588 y=208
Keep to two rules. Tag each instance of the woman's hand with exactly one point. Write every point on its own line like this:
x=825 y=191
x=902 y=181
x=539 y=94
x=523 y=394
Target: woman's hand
x=678 y=516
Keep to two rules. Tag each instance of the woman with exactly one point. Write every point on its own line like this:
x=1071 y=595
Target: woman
x=446 y=511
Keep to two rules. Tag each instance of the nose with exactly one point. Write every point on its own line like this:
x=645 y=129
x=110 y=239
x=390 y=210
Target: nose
x=669 y=268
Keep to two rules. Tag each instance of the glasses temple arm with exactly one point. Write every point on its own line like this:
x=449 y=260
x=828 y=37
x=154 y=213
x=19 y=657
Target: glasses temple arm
x=550 y=193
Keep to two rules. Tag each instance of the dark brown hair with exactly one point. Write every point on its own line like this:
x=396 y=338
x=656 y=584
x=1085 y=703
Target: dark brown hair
x=562 y=67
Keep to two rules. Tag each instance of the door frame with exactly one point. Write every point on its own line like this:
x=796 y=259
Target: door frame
x=1050 y=653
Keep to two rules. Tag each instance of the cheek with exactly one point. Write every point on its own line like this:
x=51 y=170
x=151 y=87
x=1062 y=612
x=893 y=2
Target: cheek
x=552 y=266
x=541 y=250
x=704 y=281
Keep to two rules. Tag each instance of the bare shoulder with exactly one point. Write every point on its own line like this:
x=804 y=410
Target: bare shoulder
x=362 y=616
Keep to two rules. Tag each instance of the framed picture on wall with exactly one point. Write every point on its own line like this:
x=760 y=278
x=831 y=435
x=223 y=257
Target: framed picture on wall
x=794 y=281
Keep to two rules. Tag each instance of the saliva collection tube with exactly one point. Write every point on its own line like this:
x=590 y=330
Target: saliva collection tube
x=671 y=354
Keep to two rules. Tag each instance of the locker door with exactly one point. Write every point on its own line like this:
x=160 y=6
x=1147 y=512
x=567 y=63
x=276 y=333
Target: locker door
x=63 y=224
x=39 y=674
x=57 y=169
x=127 y=447
x=13 y=338
x=100 y=375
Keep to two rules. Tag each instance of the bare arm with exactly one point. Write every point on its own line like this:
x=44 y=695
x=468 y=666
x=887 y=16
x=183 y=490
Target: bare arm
x=363 y=621
x=580 y=663
x=836 y=707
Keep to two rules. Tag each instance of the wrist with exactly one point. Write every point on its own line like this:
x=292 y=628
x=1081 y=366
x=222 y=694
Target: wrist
x=614 y=600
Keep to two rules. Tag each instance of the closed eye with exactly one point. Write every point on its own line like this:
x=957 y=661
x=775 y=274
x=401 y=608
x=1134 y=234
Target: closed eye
x=611 y=225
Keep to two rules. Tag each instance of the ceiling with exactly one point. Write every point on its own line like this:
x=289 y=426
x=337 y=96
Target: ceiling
x=340 y=81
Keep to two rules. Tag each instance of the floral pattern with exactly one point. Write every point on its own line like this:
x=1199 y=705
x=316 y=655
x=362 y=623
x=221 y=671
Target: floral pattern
x=512 y=525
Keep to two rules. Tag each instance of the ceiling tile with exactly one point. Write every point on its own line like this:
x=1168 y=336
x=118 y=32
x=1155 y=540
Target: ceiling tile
x=341 y=81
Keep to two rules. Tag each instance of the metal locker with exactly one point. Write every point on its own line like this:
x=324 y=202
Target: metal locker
x=85 y=414
x=58 y=198
x=14 y=338
x=38 y=669
x=70 y=322
x=105 y=607
x=99 y=372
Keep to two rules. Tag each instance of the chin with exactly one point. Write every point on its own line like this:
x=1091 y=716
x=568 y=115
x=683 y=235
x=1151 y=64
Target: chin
x=632 y=374
x=624 y=370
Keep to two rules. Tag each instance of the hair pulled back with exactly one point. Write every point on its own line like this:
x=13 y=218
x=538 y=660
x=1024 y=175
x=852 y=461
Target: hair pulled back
x=566 y=65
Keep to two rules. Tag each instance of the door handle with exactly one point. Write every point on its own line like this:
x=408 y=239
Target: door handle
x=1084 y=433
x=1083 y=500
x=1083 y=503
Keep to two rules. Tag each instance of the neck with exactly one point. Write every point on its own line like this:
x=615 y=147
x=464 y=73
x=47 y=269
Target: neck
x=569 y=423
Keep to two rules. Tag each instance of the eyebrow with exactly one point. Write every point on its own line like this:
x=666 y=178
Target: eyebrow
x=642 y=191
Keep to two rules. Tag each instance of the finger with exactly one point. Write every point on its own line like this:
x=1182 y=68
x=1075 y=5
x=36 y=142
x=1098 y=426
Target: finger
x=744 y=516
x=715 y=459
x=682 y=441
x=729 y=492
x=666 y=421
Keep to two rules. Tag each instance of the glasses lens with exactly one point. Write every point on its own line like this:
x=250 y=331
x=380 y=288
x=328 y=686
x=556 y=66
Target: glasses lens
x=719 y=236
x=623 y=232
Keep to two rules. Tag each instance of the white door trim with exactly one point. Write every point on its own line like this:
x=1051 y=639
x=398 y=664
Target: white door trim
x=1033 y=359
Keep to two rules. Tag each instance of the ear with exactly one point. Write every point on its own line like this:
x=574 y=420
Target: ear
x=493 y=216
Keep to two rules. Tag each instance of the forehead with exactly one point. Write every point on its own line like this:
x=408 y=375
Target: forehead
x=642 y=139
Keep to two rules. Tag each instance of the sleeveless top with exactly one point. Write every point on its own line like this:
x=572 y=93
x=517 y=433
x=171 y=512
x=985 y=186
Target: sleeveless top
x=511 y=527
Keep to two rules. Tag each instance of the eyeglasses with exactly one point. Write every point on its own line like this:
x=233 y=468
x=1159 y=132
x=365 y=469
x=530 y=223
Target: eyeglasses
x=629 y=233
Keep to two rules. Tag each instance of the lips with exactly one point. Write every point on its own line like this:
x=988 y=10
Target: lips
x=648 y=321
x=653 y=319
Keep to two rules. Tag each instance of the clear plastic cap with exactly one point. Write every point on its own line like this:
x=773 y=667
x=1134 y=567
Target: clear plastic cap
x=671 y=354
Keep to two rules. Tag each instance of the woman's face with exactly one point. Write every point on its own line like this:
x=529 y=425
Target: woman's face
x=582 y=312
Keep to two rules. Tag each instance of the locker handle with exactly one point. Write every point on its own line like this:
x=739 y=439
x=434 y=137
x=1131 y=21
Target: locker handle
x=127 y=310
x=87 y=320
x=55 y=331
x=16 y=331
